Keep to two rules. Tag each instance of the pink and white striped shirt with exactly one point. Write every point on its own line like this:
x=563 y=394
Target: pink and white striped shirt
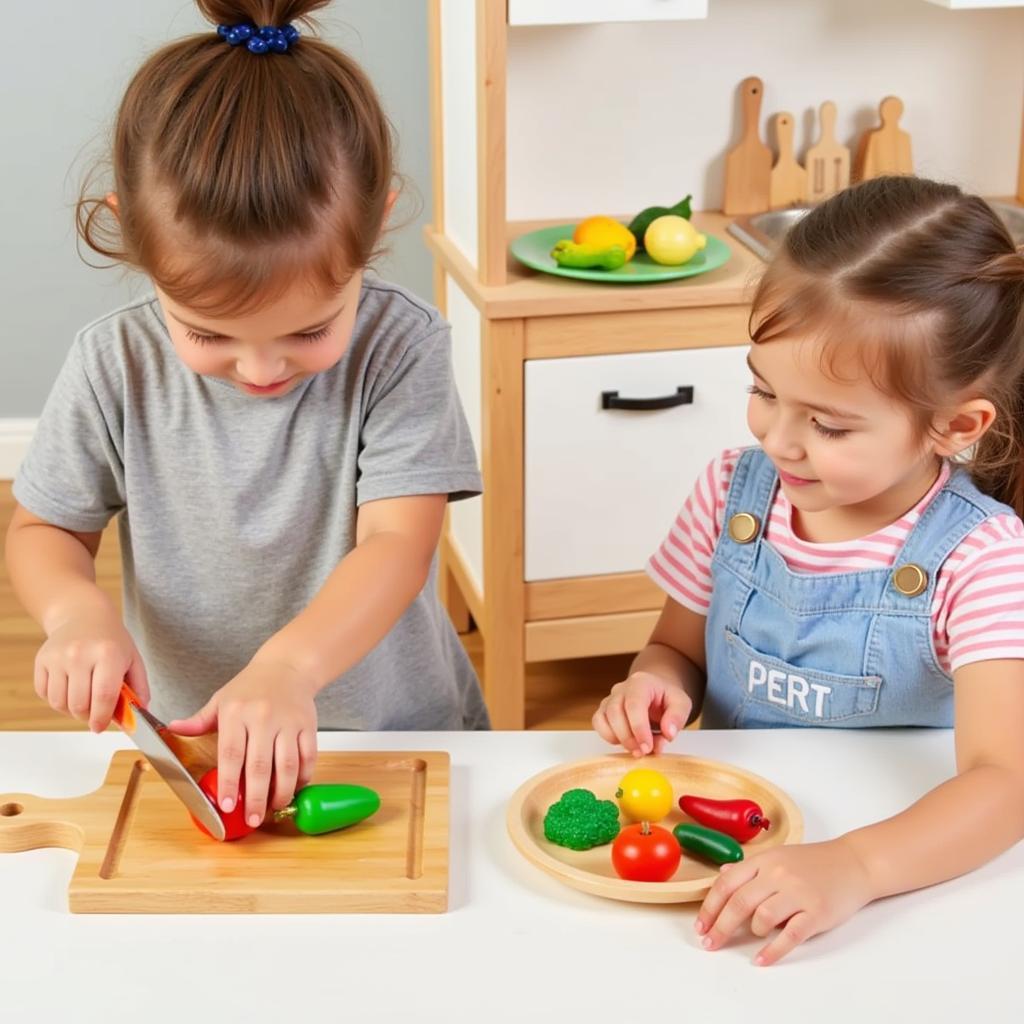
x=978 y=609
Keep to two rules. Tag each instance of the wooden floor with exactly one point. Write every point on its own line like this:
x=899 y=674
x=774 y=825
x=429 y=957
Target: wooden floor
x=560 y=694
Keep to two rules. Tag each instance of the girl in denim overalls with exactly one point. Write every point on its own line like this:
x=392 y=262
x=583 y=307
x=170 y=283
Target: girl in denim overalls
x=864 y=566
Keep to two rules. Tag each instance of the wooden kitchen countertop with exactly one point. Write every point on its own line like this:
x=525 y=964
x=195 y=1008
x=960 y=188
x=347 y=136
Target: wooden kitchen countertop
x=530 y=293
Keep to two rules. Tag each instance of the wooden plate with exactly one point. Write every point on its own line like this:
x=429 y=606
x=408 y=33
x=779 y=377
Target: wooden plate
x=591 y=870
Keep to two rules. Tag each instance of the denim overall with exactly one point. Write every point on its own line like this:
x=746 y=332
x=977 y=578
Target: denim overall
x=850 y=649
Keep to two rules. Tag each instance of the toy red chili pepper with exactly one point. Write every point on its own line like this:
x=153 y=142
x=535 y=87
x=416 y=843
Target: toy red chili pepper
x=741 y=819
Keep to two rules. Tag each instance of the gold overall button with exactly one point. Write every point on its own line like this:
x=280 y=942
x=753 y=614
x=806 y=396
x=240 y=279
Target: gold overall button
x=743 y=527
x=910 y=579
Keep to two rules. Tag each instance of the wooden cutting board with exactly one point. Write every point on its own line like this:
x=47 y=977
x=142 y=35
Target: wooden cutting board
x=886 y=149
x=140 y=853
x=788 y=183
x=828 y=161
x=748 y=165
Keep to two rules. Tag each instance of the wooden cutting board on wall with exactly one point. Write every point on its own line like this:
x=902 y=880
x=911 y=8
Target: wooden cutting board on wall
x=748 y=165
x=885 y=149
x=828 y=162
x=788 y=183
x=140 y=853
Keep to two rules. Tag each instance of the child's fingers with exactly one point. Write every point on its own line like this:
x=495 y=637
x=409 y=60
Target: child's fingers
x=773 y=913
x=57 y=691
x=602 y=726
x=79 y=692
x=307 y=758
x=799 y=928
x=202 y=722
x=106 y=688
x=138 y=680
x=231 y=748
x=286 y=770
x=259 y=765
x=638 y=714
x=40 y=674
x=660 y=743
x=616 y=715
x=739 y=906
x=677 y=711
x=729 y=879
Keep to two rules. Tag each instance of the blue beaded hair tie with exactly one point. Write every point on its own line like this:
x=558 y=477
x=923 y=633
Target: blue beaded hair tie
x=260 y=40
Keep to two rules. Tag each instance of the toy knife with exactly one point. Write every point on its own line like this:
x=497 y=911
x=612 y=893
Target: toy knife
x=152 y=737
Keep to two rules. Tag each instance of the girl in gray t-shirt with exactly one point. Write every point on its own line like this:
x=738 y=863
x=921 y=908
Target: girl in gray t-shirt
x=277 y=432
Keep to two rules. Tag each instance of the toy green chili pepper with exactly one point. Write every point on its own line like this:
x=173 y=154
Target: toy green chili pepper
x=568 y=253
x=707 y=843
x=326 y=808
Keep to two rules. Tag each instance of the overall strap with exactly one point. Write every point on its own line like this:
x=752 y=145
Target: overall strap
x=748 y=505
x=952 y=514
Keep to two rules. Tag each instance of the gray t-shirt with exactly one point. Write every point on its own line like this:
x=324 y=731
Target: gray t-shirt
x=233 y=511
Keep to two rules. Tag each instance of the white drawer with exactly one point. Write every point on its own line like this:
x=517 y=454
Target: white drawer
x=602 y=485
x=577 y=12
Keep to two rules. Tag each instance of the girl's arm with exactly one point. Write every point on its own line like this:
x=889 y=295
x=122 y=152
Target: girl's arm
x=974 y=816
x=958 y=826
x=675 y=652
x=52 y=570
x=368 y=591
x=88 y=653
x=265 y=716
x=665 y=685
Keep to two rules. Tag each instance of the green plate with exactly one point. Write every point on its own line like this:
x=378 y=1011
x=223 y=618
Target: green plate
x=534 y=250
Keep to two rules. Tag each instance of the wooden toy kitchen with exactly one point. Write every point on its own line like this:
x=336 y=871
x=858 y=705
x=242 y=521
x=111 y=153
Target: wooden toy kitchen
x=571 y=112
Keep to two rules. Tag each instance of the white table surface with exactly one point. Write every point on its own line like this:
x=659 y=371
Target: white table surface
x=515 y=944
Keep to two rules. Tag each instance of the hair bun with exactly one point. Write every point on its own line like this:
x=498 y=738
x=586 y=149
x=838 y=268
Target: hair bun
x=258 y=12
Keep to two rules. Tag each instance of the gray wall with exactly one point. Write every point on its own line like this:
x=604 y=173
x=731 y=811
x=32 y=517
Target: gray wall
x=60 y=83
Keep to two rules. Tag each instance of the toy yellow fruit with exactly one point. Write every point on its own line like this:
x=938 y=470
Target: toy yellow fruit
x=644 y=795
x=673 y=240
x=603 y=232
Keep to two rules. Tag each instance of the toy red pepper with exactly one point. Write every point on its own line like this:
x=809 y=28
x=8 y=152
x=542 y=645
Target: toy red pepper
x=741 y=819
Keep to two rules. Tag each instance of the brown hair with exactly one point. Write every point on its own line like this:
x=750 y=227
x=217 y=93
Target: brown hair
x=927 y=282
x=260 y=168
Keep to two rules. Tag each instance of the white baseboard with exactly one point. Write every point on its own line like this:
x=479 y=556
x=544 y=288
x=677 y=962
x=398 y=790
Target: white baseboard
x=14 y=438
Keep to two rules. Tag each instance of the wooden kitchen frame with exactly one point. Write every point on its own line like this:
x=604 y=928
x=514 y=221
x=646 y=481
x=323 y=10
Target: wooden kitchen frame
x=524 y=317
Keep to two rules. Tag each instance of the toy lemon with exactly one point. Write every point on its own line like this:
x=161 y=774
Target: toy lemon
x=673 y=240
x=644 y=795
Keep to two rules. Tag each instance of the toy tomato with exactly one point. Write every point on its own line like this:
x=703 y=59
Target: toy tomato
x=644 y=795
x=235 y=825
x=645 y=853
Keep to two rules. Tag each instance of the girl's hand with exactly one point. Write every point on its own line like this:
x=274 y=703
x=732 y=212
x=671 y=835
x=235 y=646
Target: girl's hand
x=266 y=720
x=626 y=715
x=802 y=889
x=81 y=666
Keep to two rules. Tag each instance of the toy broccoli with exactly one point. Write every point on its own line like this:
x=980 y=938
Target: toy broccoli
x=579 y=820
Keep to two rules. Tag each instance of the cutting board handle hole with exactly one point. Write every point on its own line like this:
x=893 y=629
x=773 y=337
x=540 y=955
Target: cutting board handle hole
x=10 y=810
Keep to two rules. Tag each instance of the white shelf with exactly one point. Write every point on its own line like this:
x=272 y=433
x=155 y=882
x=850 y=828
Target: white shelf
x=581 y=12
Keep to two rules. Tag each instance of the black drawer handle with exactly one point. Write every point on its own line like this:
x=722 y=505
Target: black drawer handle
x=611 y=400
